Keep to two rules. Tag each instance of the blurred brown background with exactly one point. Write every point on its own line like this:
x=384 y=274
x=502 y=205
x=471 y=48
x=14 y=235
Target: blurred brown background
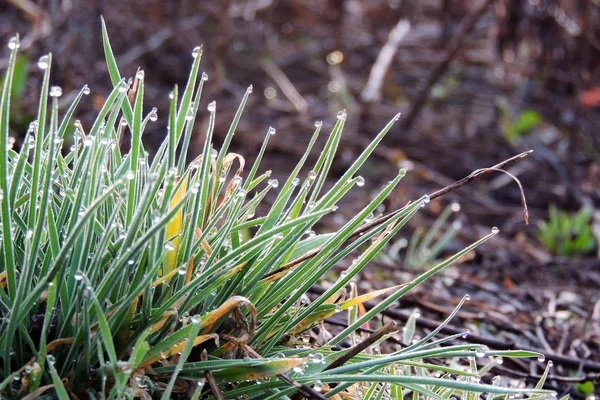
x=476 y=81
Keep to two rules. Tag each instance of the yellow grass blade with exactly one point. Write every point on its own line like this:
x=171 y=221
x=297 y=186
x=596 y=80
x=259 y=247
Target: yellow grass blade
x=174 y=228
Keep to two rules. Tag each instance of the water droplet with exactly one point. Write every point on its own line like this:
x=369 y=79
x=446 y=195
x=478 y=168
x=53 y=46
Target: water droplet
x=360 y=181
x=51 y=359
x=241 y=193
x=88 y=141
x=153 y=116
x=541 y=358
x=169 y=246
x=397 y=116
x=341 y=114
x=129 y=175
x=196 y=320
x=295 y=182
x=212 y=106
x=480 y=352
x=86 y=90
x=204 y=77
x=273 y=183
x=467 y=297
x=312 y=175
x=43 y=62
x=318 y=124
x=318 y=386
x=500 y=360
x=316 y=358
x=426 y=199
x=466 y=334
x=197 y=52
x=550 y=363
x=495 y=230
x=250 y=88
x=299 y=369
x=55 y=91
x=13 y=43
x=78 y=276
x=122 y=87
x=140 y=74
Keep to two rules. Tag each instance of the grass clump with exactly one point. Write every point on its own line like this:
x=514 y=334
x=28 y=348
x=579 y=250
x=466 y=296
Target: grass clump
x=125 y=276
x=568 y=235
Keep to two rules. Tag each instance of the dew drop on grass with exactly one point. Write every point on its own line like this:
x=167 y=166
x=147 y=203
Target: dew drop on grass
x=43 y=62
x=196 y=51
x=299 y=369
x=250 y=88
x=542 y=358
x=466 y=334
x=88 y=141
x=480 y=352
x=316 y=358
x=169 y=246
x=273 y=183
x=204 y=77
x=500 y=360
x=318 y=124
x=397 y=116
x=495 y=230
x=55 y=91
x=78 y=276
x=271 y=131
x=360 y=181
x=241 y=193
x=123 y=88
x=140 y=74
x=312 y=175
x=13 y=43
x=212 y=106
x=153 y=116
x=129 y=175
x=467 y=297
x=295 y=182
